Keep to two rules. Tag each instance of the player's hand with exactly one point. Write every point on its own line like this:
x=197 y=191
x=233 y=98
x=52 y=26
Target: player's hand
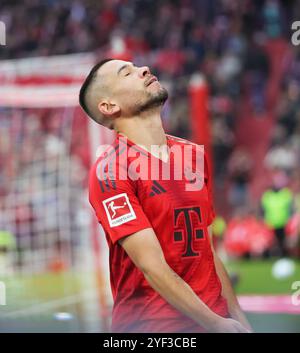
x=229 y=326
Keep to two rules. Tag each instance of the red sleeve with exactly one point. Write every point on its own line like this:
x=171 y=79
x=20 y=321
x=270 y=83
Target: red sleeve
x=116 y=206
x=208 y=182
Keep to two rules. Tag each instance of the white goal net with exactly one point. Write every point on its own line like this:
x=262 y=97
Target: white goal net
x=53 y=259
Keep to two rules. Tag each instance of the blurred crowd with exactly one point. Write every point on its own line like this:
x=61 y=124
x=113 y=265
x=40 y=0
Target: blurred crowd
x=227 y=41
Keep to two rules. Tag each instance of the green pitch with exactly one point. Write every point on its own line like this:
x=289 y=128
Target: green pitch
x=34 y=301
x=255 y=277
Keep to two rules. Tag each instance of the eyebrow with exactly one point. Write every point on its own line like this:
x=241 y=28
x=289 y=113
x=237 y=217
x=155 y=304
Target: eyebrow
x=122 y=68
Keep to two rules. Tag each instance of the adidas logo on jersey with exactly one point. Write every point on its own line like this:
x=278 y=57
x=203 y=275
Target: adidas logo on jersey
x=156 y=189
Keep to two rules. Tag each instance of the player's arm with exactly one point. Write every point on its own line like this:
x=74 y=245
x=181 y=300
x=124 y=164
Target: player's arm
x=227 y=290
x=146 y=253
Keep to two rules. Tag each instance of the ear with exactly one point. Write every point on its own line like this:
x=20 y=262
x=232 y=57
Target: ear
x=108 y=108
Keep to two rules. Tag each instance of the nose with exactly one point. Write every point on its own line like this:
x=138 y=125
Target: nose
x=144 y=71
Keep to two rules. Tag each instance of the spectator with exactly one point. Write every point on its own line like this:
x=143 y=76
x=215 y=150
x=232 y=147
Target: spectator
x=239 y=168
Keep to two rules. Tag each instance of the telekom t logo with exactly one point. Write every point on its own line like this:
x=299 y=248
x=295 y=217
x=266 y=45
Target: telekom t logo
x=2 y=293
x=185 y=232
x=2 y=33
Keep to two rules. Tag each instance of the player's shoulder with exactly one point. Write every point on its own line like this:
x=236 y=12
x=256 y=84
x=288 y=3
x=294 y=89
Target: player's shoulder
x=111 y=165
x=105 y=156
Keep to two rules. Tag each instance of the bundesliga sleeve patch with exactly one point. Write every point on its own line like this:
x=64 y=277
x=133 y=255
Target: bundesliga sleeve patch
x=118 y=210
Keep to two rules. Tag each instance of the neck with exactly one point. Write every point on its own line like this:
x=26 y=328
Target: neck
x=144 y=129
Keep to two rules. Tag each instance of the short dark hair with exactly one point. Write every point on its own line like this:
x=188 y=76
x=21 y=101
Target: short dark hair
x=86 y=86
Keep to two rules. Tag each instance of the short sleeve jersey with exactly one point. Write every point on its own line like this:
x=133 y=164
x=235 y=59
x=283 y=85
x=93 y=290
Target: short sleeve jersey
x=131 y=190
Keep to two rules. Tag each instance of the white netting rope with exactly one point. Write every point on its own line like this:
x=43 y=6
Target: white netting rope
x=44 y=206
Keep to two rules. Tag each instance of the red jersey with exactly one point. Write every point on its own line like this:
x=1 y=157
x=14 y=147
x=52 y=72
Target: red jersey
x=179 y=218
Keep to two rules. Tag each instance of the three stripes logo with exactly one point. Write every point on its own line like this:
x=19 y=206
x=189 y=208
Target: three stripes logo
x=156 y=189
x=106 y=170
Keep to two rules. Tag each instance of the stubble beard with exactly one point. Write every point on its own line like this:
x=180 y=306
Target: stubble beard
x=153 y=101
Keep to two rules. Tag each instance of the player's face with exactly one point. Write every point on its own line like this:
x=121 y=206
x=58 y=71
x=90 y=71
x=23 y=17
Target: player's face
x=133 y=88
